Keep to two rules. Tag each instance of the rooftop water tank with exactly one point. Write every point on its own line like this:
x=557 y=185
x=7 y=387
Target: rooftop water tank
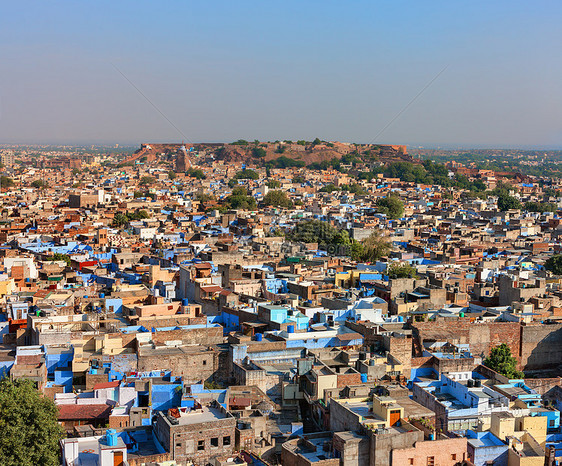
x=290 y=329
x=259 y=336
x=185 y=302
x=102 y=295
x=111 y=435
x=363 y=378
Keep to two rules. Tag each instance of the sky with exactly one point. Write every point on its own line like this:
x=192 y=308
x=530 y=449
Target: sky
x=338 y=70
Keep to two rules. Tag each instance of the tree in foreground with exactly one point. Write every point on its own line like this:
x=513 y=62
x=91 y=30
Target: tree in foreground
x=28 y=422
x=554 y=264
x=503 y=363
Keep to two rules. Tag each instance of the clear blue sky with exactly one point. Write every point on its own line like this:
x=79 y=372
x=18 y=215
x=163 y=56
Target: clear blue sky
x=338 y=70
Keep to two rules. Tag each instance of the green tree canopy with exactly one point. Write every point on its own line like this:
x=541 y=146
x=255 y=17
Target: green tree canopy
x=277 y=199
x=502 y=362
x=403 y=270
x=375 y=247
x=259 y=152
x=38 y=184
x=392 y=206
x=196 y=173
x=171 y=175
x=554 y=264
x=239 y=199
x=123 y=220
x=246 y=174
x=313 y=231
x=147 y=180
x=57 y=256
x=6 y=182
x=28 y=422
x=540 y=207
x=507 y=202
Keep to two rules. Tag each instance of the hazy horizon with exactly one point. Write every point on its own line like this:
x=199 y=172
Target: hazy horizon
x=283 y=70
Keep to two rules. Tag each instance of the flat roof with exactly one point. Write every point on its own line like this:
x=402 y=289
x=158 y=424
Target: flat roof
x=206 y=414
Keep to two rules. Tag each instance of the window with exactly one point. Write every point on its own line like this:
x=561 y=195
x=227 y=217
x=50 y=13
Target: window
x=410 y=460
x=551 y=423
x=226 y=440
x=204 y=362
x=454 y=457
x=431 y=461
x=200 y=445
x=215 y=442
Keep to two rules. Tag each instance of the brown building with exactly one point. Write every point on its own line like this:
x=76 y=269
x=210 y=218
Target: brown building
x=196 y=434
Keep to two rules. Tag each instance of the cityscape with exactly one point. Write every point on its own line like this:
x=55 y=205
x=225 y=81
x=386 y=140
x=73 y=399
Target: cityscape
x=183 y=285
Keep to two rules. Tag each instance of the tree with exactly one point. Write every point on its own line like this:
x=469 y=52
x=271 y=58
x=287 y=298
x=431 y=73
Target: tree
x=239 y=199
x=6 y=182
x=507 y=202
x=28 y=422
x=554 y=264
x=277 y=199
x=38 y=184
x=259 y=152
x=273 y=184
x=329 y=188
x=171 y=175
x=57 y=256
x=196 y=173
x=147 y=180
x=540 y=207
x=375 y=247
x=246 y=174
x=404 y=270
x=392 y=206
x=502 y=362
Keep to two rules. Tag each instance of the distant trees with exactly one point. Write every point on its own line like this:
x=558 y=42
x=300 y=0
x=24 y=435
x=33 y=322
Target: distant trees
x=123 y=220
x=554 y=264
x=246 y=174
x=28 y=422
x=403 y=270
x=375 y=247
x=273 y=184
x=6 y=182
x=507 y=202
x=329 y=188
x=392 y=206
x=240 y=142
x=147 y=180
x=354 y=188
x=57 y=256
x=171 y=175
x=277 y=199
x=39 y=184
x=239 y=199
x=540 y=207
x=501 y=361
x=259 y=152
x=196 y=173
x=313 y=231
